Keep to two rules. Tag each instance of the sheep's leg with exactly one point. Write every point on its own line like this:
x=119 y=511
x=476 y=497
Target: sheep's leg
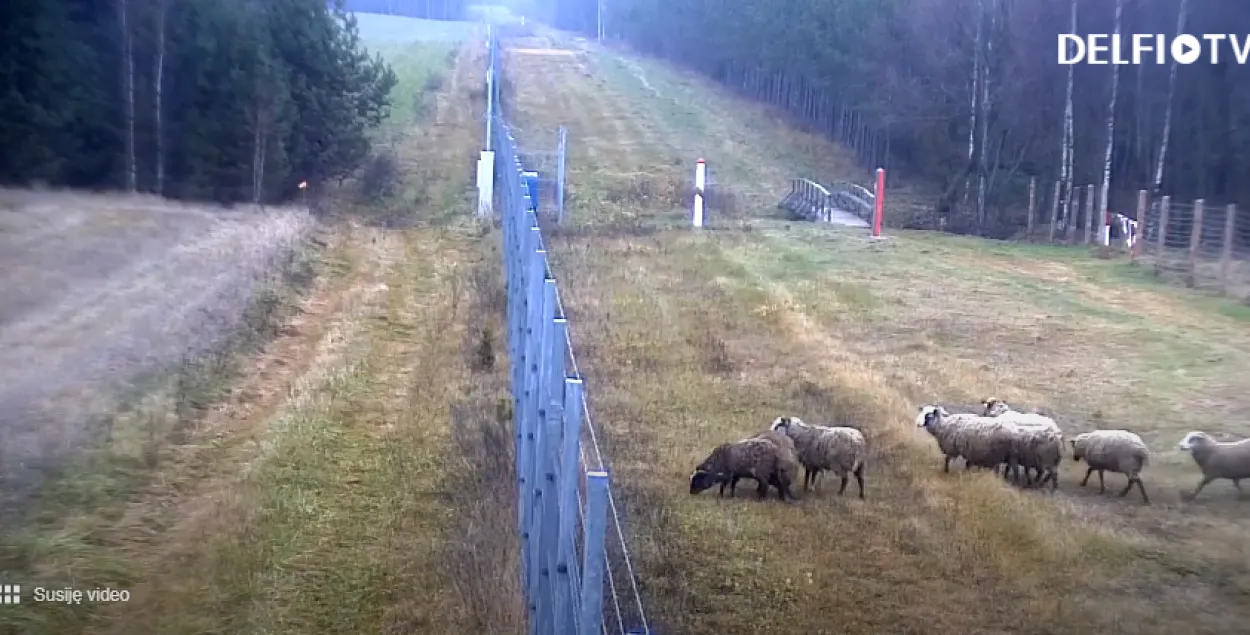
x=1205 y=480
x=1088 y=473
x=946 y=467
x=1102 y=486
x=1140 y=487
x=733 y=486
x=783 y=490
x=846 y=478
x=1237 y=484
x=859 y=480
x=762 y=490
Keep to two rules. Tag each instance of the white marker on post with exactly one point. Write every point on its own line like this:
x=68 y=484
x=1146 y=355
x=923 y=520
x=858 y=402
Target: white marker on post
x=700 y=178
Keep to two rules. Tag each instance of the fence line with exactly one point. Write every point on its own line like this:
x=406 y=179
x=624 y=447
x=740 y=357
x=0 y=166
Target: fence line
x=569 y=522
x=1199 y=245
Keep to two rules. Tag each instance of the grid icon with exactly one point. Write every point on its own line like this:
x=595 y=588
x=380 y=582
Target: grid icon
x=10 y=594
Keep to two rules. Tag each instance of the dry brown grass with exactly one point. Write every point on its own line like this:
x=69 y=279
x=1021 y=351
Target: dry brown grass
x=689 y=340
x=327 y=491
x=102 y=291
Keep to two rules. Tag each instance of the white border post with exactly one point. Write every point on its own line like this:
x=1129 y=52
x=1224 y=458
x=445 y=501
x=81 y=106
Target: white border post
x=878 y=196
x=700 y=180
x=485 y=184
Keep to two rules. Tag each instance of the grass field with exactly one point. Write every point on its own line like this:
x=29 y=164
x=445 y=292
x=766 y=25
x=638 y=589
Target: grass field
x=692 y=339
x=380 y=30
x=105 y=291
x=322 y=488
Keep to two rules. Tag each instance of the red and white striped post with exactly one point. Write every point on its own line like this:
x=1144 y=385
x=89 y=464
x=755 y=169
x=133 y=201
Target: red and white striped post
x=879 y=196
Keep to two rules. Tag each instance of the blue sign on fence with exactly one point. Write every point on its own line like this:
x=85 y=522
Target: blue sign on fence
x=531 y=186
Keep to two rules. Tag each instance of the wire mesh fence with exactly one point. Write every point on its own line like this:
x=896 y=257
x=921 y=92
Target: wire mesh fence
x=1198 y=245
x=577 y=568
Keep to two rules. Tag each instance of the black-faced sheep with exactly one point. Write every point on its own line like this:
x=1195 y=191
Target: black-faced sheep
x=1217 y=460
x=1115 y=450
x=756 y=458
x=839 y=449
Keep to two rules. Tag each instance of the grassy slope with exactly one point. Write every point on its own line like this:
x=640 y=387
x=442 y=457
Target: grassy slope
x=694 y=339
x=319 y=495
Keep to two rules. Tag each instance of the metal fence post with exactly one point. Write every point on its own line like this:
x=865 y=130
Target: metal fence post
x=539 y=464
x=549 y=506
x=529 y=403
x=593 y=563
x=569 y=482
x=563 y=148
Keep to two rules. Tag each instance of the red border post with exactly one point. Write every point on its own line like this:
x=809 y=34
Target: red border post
x=880 y=197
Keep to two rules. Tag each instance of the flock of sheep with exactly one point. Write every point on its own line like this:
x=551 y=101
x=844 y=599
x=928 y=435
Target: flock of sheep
x=998 y=436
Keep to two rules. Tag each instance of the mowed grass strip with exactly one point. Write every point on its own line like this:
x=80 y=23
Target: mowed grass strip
x=690 y=340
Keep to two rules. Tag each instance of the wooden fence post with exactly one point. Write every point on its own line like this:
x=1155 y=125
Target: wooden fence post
x=1165 y=209
x=1139 y=232
x=1226 y=252
x=1028 y=231
x=1054 y=213
x=1195 y=240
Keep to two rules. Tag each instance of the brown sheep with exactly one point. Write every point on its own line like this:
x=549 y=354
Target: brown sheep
x=761 y=459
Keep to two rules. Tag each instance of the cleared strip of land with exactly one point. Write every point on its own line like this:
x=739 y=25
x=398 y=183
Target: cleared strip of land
x=692 y=339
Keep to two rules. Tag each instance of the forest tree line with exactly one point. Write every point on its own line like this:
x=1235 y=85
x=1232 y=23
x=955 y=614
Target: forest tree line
x=970 y=94
x=227 y=100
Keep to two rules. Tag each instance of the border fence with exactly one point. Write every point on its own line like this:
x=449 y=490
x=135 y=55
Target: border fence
x=577 y=570
x=1196 y=244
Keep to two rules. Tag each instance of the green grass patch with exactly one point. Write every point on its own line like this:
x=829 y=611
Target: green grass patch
x=376 y=28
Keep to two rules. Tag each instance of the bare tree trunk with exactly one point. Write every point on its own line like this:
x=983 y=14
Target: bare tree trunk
x=1167 y=112
x=1139 y=143
x=128 y=92
x=973 y=97
x=1065 y=170
x=157 y=87
x=1104 y=232
x=983 y=168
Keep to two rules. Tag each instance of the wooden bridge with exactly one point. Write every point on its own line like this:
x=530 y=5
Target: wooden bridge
x=840 y=203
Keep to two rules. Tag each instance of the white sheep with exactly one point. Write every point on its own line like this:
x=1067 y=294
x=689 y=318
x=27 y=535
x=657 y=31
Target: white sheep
x=1217 y=460
x=839 y=449
x=1115 y=450
x=1000 y=408
x=1040 y=446
x=980 y=441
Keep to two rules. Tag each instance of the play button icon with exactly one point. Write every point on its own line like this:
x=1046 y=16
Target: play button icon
x=1186 y=49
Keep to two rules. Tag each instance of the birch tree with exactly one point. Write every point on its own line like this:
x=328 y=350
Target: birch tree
x=158 y=85
x=982 y=163
x=1157 y=184
x=1068 y=150
x=1103 y=202
x=128 y=92
x=978 y=15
